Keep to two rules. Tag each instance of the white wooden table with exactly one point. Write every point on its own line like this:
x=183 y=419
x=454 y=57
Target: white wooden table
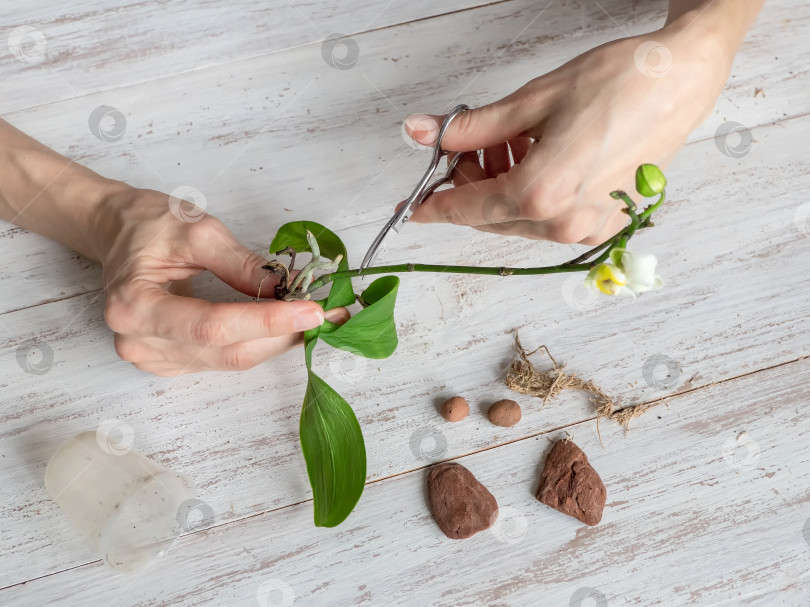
x=236 y=100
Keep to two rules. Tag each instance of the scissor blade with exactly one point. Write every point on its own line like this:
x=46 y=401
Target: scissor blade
x=376 y=244
x=402 y=215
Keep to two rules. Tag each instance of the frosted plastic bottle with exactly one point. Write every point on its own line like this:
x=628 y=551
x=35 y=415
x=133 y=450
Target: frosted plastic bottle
x=130 y=507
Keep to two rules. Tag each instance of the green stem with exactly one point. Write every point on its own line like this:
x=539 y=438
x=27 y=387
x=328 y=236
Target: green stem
x=587 y=254
x=643 y=217
x=421 y=267
x=575 y=265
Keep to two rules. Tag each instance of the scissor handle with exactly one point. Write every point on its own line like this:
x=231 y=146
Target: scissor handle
x=419 y=193
x=448 y=175
x=422 y=190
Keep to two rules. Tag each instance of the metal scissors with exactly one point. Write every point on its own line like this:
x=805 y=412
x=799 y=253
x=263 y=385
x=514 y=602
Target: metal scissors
x=421 y=191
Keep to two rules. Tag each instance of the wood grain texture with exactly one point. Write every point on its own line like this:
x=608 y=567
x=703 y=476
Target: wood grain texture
x=711 y=488
x=286 y=131
x=236 y=434
x=260 y=132
x=101 y=45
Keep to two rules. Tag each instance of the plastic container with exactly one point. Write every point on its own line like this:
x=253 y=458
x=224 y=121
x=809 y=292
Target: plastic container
x=130 y=507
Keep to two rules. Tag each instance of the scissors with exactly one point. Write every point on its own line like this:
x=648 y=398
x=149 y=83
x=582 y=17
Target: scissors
x=421 y=191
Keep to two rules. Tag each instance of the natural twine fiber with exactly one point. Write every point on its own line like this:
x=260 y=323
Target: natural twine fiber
x=524 y=378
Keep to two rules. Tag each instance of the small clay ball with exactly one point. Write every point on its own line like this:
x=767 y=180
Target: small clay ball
x=455 y=409
x=504 y=413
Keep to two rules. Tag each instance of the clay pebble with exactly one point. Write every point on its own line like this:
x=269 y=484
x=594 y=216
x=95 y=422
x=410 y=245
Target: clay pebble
x=455 y=409
x=571 y=485
x=504 y=413
x=460 y=504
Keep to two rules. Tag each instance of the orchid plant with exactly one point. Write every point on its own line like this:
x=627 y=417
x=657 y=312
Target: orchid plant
x=331 y=438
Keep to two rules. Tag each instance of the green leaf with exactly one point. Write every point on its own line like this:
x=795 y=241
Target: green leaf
x=371 y=332
x=294 y=234
x=334 y=451
x=310 y=339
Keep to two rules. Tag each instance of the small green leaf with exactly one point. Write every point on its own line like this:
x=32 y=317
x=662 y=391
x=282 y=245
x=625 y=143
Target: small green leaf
x=294 y=234
x=334 y=451
x=371 y=332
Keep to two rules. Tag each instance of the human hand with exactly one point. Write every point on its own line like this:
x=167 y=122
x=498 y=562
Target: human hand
x=149 y=255
x=576 y=134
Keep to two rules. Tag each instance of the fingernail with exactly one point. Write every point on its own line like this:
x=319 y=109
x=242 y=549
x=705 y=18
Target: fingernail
x=308 y=319
x=338 y=316
x=423 y=128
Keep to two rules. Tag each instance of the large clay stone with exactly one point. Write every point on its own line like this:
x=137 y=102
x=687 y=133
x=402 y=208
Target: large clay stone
x=460 y=504
x=570 y=485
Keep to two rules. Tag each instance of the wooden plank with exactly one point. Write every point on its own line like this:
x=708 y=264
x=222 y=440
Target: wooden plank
x=80 y=48
x=732 y=305
x=707 y=499
x=710 y=321
x=288 y=131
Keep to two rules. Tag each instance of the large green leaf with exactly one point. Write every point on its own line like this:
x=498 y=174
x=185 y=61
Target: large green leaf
x=334 y=451
x=294 y=234
x=371 y=332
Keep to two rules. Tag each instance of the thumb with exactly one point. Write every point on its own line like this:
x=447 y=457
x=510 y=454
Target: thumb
x=474 y=129
x=230 y=261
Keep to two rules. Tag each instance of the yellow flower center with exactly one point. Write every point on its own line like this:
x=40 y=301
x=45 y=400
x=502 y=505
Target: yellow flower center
x=609 y=278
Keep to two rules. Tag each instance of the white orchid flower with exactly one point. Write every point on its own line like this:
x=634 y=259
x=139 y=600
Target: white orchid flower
x=626 y=275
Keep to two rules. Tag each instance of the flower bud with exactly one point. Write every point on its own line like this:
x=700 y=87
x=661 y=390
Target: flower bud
x=650 y=181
